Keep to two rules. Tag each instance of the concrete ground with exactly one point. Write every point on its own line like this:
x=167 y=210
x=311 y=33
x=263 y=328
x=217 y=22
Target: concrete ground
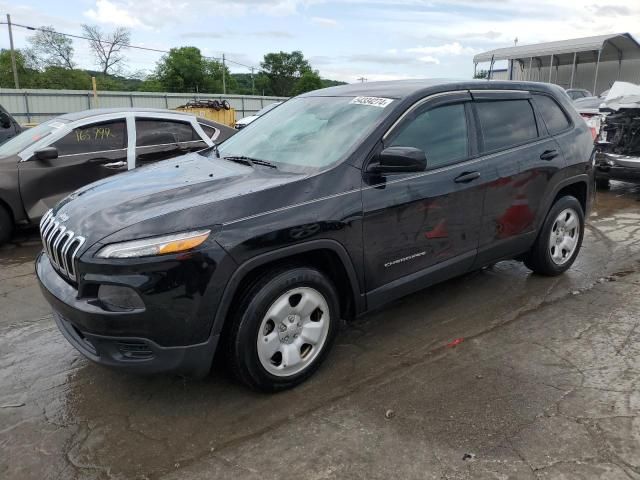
x=545 y=384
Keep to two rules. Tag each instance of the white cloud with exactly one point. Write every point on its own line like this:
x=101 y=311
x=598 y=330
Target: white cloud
x=325 y=22
x=429 y=59
x=108 y=12
x=447 y=49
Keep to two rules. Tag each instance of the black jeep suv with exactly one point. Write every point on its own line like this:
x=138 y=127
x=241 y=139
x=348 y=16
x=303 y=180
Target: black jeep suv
x=336 y=203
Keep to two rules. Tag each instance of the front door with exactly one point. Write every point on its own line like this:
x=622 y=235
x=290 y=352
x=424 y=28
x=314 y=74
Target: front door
x=414 y=224
x=86 y=154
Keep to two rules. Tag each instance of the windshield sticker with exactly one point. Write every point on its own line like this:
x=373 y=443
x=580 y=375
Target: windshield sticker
x=372 y=101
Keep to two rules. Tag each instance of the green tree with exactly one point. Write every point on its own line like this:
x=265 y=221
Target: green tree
x=63 y=78
x=481 y=74
x=184 y=69
x=26 y=75
x=283 y=71
x=308 y=81
x=52 y=49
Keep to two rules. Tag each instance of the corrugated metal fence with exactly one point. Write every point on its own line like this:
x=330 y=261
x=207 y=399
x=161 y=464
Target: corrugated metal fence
x=36 y=106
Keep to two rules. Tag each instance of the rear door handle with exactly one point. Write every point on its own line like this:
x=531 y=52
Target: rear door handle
x=115 y=165
x=467 y=177
x=548 y=155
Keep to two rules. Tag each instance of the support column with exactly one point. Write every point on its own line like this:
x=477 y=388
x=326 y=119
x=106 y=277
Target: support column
x=530 y=66
x=573 y=68
x=619 y=65
x=550 y=68
x=595 y=80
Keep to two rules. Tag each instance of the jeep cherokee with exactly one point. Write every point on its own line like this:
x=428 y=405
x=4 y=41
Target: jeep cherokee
x=337 y=202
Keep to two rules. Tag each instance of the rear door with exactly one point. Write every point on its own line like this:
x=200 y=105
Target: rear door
x=159 y=139
x=524 y=158
x=88 y=153
x=416 y=224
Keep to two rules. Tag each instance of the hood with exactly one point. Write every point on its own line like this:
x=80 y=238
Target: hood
x=622 y=95
x=166 y=189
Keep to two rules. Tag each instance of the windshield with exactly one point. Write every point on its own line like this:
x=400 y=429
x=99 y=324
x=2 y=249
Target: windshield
x=29 y=137
x=307 y=134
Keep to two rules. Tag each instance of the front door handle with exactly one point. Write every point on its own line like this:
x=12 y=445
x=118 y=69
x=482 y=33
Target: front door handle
x=467 y=177
x=549 y=155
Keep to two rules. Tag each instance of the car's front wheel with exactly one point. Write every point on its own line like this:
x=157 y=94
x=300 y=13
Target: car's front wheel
x=283 y=328
x=560 y=239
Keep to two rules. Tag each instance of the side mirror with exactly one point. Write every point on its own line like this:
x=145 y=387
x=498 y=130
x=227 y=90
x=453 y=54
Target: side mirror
x=5 y=120
x=47 y=153
x=399 y=160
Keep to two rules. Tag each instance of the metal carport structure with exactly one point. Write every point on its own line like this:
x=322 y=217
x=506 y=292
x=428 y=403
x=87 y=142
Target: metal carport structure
x=593 y=63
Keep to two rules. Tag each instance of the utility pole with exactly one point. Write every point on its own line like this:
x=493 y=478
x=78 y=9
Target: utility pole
x=13 y=54
x=253 y=84
x=224 y=75
x=361 y=79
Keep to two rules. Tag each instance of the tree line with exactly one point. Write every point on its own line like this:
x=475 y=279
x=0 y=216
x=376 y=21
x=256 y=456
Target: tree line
x=48 y=62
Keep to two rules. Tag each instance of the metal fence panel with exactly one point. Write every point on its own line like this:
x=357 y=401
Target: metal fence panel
x=35 y=106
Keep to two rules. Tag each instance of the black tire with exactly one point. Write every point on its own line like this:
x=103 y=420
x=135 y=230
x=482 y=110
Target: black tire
x=6 y=225
x=241 y=338
x=603 y=183
x=539 y=258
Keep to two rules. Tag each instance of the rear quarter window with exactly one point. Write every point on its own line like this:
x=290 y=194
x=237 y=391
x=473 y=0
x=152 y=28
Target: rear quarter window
x=506 y=123
x=552 y=114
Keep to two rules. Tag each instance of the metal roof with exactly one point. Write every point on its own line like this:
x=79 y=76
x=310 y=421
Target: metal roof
x=619 y=42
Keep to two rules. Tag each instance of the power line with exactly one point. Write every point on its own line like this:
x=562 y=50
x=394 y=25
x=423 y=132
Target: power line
x=137 y=47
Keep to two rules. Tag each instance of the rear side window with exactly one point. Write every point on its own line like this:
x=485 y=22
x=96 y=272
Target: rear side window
x=441 y=133
x=506 y=123
x=209 y=131
x=94 y=138
x=553 y=116
x=158 y=132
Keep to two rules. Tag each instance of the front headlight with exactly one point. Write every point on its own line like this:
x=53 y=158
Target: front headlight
x=148 y=247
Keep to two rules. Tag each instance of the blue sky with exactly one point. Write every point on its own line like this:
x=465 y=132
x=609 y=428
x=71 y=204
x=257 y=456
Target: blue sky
x=344 y=40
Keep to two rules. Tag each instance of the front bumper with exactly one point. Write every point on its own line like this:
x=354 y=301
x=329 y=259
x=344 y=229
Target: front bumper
x=86 y=326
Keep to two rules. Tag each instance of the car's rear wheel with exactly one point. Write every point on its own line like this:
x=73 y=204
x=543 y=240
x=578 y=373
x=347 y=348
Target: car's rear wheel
x=560 y=239
x=6 y=225
x=283 y=328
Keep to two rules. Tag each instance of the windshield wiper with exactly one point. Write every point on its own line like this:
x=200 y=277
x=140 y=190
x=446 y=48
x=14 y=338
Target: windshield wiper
x=249 y=161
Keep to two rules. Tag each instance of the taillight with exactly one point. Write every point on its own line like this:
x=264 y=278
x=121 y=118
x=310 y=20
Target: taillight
x=593 y=122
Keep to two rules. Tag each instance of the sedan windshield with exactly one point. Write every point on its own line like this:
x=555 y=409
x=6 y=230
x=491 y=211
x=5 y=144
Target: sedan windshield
x=29 y=137
x=307 y=134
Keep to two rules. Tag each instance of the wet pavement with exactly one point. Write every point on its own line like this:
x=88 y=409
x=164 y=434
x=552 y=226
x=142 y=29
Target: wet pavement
x=497 y=374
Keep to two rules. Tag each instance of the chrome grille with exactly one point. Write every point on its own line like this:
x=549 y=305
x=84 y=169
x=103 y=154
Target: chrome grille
x=61 y=245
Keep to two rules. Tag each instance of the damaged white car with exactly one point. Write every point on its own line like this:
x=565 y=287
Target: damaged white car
x=618 y=142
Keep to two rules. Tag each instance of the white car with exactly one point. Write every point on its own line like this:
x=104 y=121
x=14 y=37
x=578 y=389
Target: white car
x=243 y=122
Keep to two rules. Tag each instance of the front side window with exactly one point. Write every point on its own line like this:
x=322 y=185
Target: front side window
x=441 y=133
x=159 y=132
x=553 y=116
x=307 y=134
x=506 y=123
x=96 y=137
